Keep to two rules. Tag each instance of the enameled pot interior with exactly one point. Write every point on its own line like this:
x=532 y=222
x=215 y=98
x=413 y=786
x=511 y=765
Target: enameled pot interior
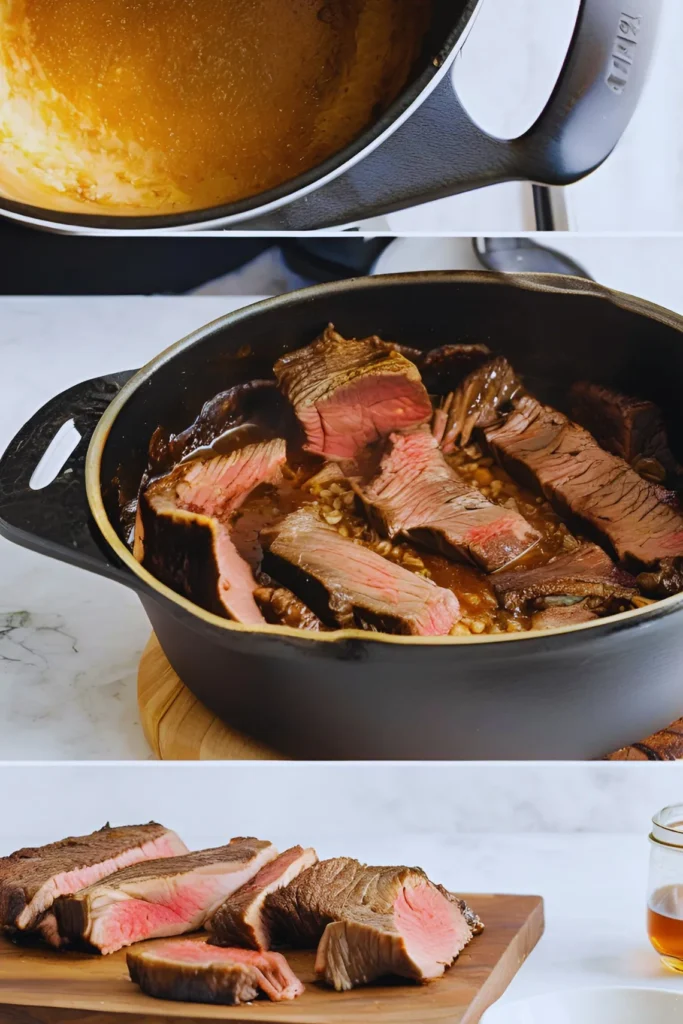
x=449 y=20
x=552 y=337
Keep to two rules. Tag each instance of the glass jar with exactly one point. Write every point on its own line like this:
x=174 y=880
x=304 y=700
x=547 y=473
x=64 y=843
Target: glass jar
x=665 y=890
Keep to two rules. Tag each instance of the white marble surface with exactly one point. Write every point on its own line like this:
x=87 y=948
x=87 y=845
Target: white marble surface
x=70 y=642
x=548 y=830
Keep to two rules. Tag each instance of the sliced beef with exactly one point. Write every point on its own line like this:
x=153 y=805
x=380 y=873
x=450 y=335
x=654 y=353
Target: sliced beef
x=417 y=494
x=281 y=607
x=183 y=531
x=245 y=414
x=240 y=921
x=477 y=402
x=348 y=585
x=563 y=615
x=370 y=921
x=632 y=428
x=217 y=486
x=585 y=572
x=638 y=520
x=473 y=919
x=194 y=972
x=159 y=899
x=32 y=879
x=444 y=369
x=348 y=393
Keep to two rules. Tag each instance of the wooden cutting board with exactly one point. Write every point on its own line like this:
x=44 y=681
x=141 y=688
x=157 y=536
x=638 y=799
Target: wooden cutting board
x=179 y=728
x=41 y=986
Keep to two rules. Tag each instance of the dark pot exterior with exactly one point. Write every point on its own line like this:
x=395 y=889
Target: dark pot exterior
x=573 y=696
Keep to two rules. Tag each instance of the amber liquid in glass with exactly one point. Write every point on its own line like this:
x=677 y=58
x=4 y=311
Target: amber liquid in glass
x=665 y=924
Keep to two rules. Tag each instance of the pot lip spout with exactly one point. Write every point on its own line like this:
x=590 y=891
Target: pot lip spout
x=545 y=283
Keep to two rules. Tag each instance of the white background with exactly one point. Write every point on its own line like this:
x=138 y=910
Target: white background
x=408 y=808
x=505 y=73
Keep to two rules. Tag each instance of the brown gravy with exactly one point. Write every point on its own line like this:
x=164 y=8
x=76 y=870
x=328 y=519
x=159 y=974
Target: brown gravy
x=472 y=586
x=183 y=104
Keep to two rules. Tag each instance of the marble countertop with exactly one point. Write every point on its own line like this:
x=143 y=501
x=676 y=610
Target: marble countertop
x=594 y=884
x=70 y=641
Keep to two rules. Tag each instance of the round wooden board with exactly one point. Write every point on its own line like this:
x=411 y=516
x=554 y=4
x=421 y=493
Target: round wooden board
x=178 y=727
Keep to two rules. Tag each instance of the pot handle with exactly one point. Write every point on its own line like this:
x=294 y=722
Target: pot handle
x=440 y=151
x=55 y=520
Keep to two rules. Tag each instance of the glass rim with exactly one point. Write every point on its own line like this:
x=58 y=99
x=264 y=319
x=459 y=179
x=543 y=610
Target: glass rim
x=663 y=830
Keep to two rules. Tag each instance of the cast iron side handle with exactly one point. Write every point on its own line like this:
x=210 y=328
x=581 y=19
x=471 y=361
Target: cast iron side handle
x=56 y=520
x=440 y=151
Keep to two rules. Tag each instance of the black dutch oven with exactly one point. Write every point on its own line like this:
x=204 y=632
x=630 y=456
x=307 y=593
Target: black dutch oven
x=576 y=692
x=425 y=146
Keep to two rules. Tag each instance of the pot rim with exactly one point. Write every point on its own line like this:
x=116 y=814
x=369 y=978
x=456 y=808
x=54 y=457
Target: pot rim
x=540 y=282
x=404 y=105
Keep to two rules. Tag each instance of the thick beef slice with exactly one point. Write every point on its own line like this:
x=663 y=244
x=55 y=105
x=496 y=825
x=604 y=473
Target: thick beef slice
x=417 y=494
x=348 y=393
x=632 y=428
x=370 y=921
x=348 y=585
x=192 y=971
x=164 y=898
x=240 y=921
x=183 y=532
x=476 y=403
x=31 y=879
x=544 y=449
x=585 y=572
x=217 y=486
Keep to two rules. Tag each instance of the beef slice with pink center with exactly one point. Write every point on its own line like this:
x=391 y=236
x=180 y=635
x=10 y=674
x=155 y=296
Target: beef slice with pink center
x=349 y=393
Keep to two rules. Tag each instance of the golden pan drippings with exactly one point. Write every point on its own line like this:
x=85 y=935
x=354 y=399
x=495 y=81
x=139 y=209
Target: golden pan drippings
x=158 y=106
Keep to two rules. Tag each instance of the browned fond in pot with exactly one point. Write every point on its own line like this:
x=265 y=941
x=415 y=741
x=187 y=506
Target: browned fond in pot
x=181 y=105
